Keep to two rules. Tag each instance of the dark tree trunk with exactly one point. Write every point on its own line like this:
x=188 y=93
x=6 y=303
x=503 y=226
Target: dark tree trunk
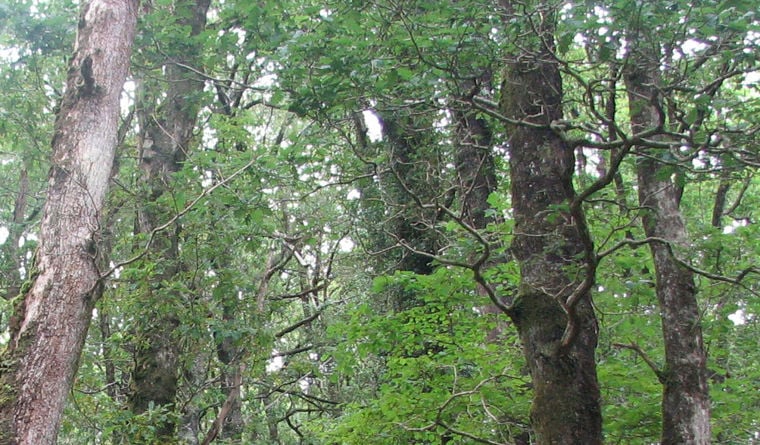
x=474 y=161
x=394 y=207
x=685 y=402
x=409 y=183
x=165 y=140
x=719 y=206
x=553 y=311
x=52 y=318
x=231 y=355
x=12 y=260
x=476 y=172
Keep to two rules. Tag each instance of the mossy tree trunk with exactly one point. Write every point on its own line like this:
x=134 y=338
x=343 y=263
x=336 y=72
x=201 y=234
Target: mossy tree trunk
x=685 y=400
x=166 y=138
x=52 y=317
x=553 y=311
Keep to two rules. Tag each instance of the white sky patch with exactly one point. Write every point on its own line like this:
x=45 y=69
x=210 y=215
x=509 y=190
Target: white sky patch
x=240 y=33
x=353 y=195
x=208 y=179
x=592 y=161
x=3 y=234
x=691 y=47
x=374 y=128
x=304 y=384
x=9 y=54
x=738 y=318
x=275 y=363
x=27 y=237
x=127 y=96
x=731 y=228
x=751 y=78
x=751 y=40
x=117 y=271
x=346 y=245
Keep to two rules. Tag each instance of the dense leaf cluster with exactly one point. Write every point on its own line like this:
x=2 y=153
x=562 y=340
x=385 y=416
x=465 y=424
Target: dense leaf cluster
x=327 y=281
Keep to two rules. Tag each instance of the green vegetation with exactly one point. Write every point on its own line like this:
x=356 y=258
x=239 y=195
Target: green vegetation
x=313 y=261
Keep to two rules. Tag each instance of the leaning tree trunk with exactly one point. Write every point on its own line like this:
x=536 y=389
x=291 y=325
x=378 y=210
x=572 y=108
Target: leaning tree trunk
x=552 y=311
x=685 y=400
x=52 y=317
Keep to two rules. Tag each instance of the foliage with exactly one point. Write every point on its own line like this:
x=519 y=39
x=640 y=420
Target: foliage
x=288 y=209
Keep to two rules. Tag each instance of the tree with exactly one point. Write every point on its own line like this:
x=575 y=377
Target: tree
x=686 y=402
x=31 y=78
x=552 y=311
x=53 y=313
x=167 y=115
x=314 y=276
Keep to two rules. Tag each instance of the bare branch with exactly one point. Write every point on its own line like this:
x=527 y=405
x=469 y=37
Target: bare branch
x=216 y=426
x=712 y=276
x=652 y=365
x=191 y=205
x=305 y=321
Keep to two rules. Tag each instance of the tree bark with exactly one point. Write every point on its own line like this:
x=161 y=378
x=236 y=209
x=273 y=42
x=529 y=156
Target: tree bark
x=719 y=205
x=12 y=260
x=476 y=173
x=475 y=167
x=408 y=181
x=52 y=318
x=408 y=184
x=554 y=250
x=231 y=424
x=164 y=143
x=685 y=401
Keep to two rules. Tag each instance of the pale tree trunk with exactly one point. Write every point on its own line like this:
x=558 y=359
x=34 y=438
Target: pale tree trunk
x=685 y=400
x=164 y=142
x=552 y=311
x=52 y=318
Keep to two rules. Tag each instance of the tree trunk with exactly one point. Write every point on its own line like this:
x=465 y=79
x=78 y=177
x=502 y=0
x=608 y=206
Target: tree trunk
x=409 y=183
x=476 y=172
x=685 y=402
x=164 y=143
x=9 y=250
x=52 y=318
x=232 y=423
x=552 y=310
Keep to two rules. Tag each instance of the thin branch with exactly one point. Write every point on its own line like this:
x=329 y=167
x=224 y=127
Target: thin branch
x=438 y=418
x=652 y=365
x=191 y=205
x=737 y=281
x=292 y=351
x=216 y=426
x=739 y=198
x=305 y=321
x=301 y=294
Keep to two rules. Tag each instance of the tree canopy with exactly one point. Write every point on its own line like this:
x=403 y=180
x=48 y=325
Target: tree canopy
x=396 y=222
